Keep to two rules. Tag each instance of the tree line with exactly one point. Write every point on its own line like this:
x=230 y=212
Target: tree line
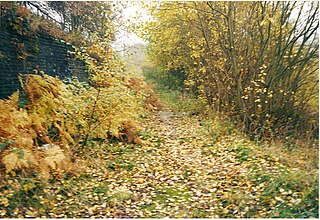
x=84 y=21
x=257 y=61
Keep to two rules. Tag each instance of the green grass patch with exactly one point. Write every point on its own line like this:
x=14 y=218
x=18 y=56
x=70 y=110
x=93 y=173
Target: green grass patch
x=242 y=153
x=180 y=102
x=166 y=195
x=199 y=213
x=171 y=91
x=293 y=194
x=120 y=163
x=123 y=150
x=308 y=207
x=218 y=127
x=100 y=189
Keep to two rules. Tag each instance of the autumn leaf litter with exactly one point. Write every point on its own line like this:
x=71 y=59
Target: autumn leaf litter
x=179 y=171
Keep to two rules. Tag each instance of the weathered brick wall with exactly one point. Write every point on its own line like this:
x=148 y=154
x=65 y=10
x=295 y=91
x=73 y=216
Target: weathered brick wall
x=21 y=54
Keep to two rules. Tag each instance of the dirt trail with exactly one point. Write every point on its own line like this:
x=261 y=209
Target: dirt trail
x=184 y=174
x=179 y=171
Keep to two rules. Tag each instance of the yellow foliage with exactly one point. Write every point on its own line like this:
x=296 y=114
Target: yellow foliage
x=227 y=52
x=54 y=157
x=15 y=124
x=65 y=116
x=137 y=84
x=9 y=109
x=23 y=127
x=43 y=107
x=19 y=159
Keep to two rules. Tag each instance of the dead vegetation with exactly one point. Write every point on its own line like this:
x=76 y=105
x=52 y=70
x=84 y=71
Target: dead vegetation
x=59 y=120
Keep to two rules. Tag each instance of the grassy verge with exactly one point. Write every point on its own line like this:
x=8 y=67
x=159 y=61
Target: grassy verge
x=170 y=90
x=292 y=191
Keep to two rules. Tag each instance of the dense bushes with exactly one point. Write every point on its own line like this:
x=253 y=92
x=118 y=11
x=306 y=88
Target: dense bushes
x=253 y=61
x=59 y=118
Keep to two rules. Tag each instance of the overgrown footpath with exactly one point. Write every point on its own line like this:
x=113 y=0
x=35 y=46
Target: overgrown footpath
x=186 y=165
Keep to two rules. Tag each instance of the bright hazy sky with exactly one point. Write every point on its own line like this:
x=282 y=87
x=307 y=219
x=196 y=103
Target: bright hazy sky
x=124 y=38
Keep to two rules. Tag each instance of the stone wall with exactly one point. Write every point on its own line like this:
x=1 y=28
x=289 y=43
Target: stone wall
x=21 y=54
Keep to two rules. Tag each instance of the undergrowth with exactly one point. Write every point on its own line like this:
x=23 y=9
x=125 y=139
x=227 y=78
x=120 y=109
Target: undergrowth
x=55 y=121
x=171 y=92
x=279 y=190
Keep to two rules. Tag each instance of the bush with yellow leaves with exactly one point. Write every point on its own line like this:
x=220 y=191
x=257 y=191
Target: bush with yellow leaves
x=19 y=150
x=60 y=118
x=113 y=100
